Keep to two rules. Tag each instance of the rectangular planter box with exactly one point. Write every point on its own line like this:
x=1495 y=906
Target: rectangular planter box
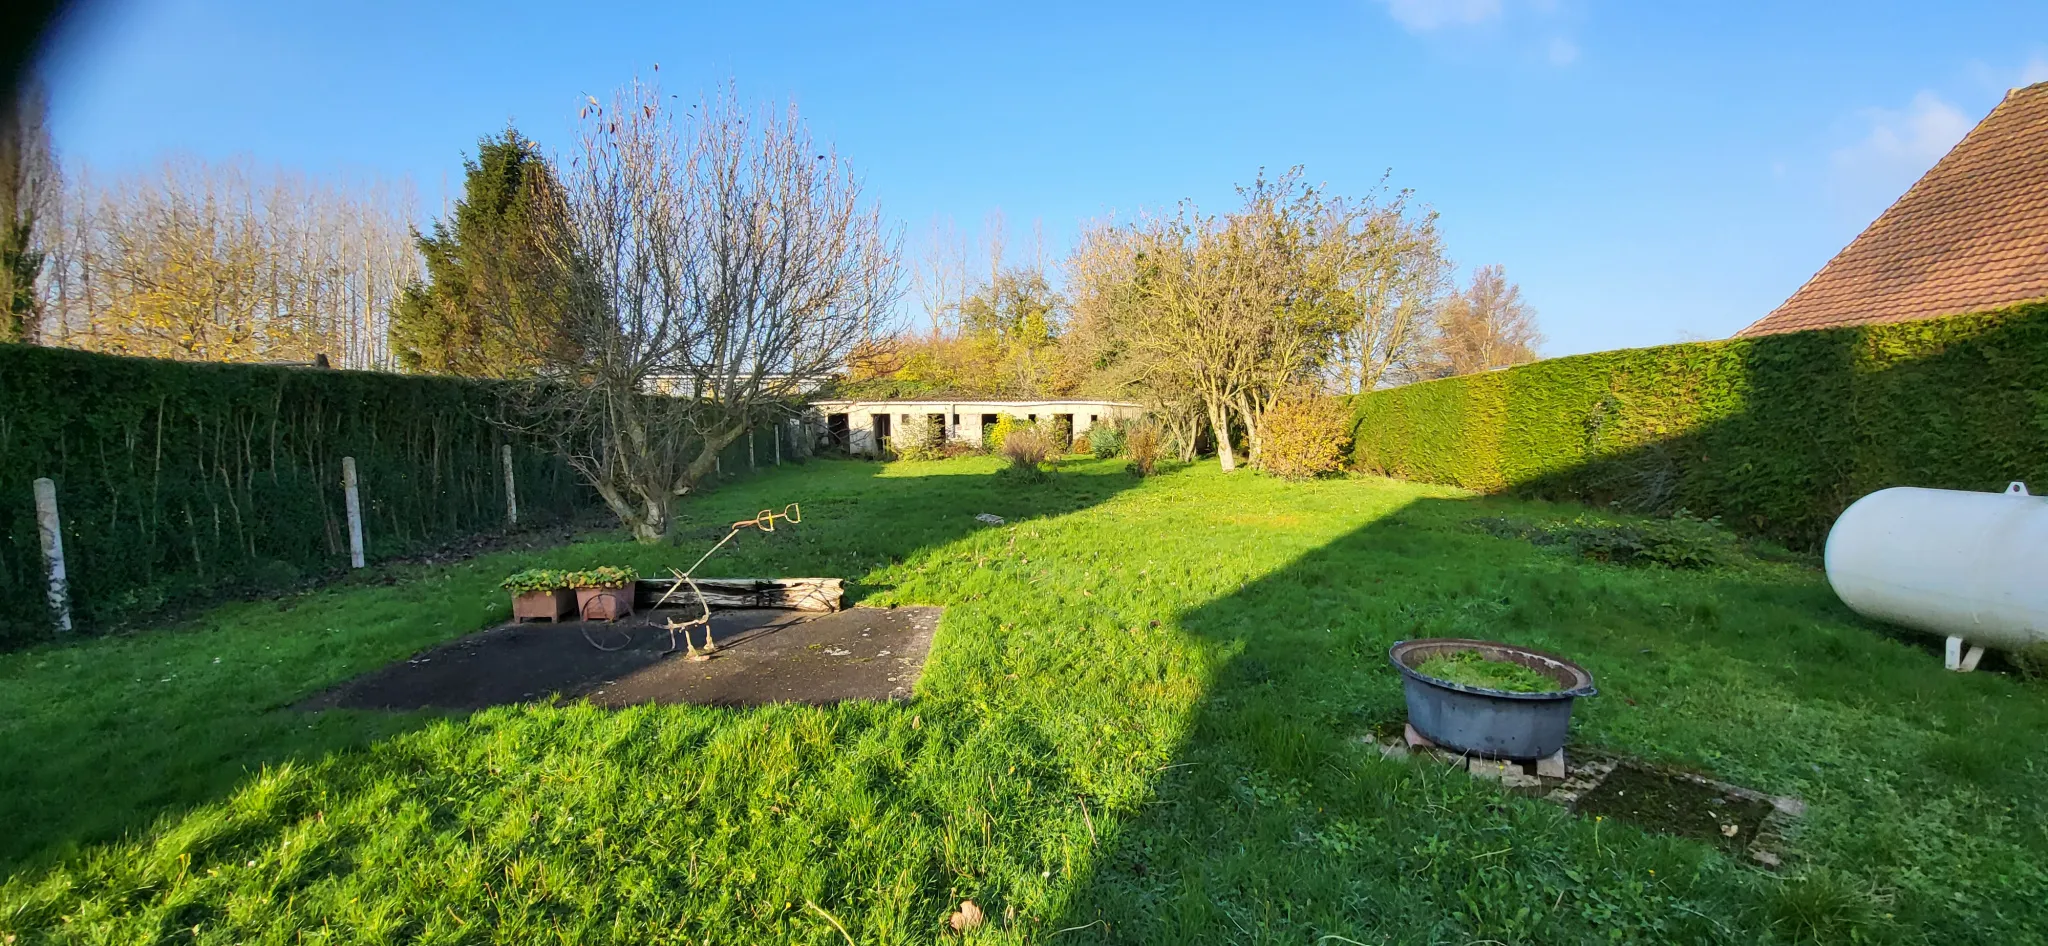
x=604 y=604
x=551 y=605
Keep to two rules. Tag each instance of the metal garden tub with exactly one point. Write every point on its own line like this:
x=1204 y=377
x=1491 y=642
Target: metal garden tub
x=1495 y=724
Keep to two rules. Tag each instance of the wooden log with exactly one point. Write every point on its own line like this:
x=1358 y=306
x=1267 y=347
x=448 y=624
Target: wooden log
x=796 y=594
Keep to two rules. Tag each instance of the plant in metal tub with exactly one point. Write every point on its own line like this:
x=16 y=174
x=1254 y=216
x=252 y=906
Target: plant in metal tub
x=1489 y=699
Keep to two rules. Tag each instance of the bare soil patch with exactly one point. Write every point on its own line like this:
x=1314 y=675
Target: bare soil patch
x=765 y=656
x=1670 y=804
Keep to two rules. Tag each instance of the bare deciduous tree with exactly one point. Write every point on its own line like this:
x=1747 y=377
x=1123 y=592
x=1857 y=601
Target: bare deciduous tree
x=1215 y=314
x=1388 y=277
x=716 y=259
x=1486 y=326
x=942 y=280
x=224 y=262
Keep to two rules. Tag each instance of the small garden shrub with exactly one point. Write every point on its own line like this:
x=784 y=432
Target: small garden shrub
x=1678 y=542
x=1027 y=447
x=1059 y=430
x=2031 y=661
x=1306 y=435
x=1142 y=443
x=1105 y=440
x=1005 y=424
x=919 y=439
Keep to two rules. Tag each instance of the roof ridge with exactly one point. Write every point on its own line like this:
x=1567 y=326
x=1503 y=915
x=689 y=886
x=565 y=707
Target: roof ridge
x=1969 y=234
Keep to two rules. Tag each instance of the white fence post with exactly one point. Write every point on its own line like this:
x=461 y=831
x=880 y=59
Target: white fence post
x=778 y=441
x=751 y=465
x=355 y=512
x=511 y=490
x=51 y=530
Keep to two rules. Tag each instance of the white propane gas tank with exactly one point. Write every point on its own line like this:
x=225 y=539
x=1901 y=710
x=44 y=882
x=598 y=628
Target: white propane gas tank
x=1947 y=562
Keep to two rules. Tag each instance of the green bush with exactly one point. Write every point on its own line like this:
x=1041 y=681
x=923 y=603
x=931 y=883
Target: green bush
x=1774 y=436
x=179 y=482
x=919 y=439
x=1305 y=436
x=2031 y=661
x=1105 y=440
x=1000 y=431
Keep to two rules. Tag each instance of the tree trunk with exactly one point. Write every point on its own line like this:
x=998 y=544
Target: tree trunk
x=647 y=522
x=1254 y=442
x=1219 y=420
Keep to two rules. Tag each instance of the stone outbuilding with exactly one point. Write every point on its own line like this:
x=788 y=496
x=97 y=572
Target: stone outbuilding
x=862 y=427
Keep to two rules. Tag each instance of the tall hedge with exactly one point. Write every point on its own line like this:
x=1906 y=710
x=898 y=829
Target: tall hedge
x=179 y=481
x=1774 y=435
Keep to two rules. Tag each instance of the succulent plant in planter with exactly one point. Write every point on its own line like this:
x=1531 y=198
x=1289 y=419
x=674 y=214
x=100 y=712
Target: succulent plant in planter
x=539 y=593
x=604 y=593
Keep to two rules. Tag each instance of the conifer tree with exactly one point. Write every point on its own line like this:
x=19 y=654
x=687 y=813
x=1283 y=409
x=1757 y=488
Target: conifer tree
x=493 y=301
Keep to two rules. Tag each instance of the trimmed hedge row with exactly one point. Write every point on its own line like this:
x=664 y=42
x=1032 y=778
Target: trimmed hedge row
x=179 y=481
x=1774 y=435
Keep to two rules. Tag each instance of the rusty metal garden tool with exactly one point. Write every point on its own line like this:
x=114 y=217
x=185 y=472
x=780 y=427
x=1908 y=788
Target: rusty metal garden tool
x=764 y=522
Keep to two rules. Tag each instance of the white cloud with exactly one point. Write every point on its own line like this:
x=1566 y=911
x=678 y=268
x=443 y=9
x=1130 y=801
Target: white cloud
x=1897 y=147
x=1491 y=22
x=1423 y=16
x=2036 y=70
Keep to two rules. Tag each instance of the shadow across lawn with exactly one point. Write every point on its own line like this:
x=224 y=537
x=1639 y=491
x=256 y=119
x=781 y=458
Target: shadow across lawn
x=104 y=737
x=1276 y=822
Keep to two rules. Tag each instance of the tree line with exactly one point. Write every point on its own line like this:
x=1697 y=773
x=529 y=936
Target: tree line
x=714 y=252
x=718 y=253
x=199 y=260
x=1211 y=320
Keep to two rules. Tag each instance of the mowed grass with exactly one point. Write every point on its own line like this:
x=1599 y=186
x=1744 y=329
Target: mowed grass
x=1142 y=721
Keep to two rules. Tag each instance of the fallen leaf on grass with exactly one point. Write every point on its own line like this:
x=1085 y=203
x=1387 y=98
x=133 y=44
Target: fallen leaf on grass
x=966 y=918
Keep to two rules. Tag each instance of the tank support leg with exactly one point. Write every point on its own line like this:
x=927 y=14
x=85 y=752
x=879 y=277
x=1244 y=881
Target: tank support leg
x=1959 y=660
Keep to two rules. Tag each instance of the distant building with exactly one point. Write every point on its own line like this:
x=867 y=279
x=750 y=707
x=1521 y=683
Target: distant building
x=862 y=426
x=1970 y=235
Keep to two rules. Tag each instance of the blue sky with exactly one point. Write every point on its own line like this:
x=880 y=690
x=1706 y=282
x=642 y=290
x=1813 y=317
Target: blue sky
x=1648 y=172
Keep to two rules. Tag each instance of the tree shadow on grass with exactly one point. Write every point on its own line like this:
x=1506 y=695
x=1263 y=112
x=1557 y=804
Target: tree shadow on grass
x=1277 y=821
x=104 y=737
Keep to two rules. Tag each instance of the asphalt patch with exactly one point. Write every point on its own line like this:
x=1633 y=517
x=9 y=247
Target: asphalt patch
x=764 y=656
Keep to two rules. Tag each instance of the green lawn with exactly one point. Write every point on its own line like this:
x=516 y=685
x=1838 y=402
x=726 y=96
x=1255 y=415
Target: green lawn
x=1141 y=722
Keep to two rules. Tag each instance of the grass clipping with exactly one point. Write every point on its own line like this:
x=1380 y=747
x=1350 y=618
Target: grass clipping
x=1469 y=668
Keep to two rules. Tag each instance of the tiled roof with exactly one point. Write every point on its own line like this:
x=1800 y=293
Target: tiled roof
x=1971 y=234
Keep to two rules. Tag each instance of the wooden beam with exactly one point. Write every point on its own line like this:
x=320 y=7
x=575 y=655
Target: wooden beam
x=796 y=594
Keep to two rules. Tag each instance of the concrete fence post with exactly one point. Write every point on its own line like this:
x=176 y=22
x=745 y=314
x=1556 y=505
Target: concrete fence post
x=751 y=465
x=778 y=441
x=355 y=512
x=51 y=530
x=511 y=487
